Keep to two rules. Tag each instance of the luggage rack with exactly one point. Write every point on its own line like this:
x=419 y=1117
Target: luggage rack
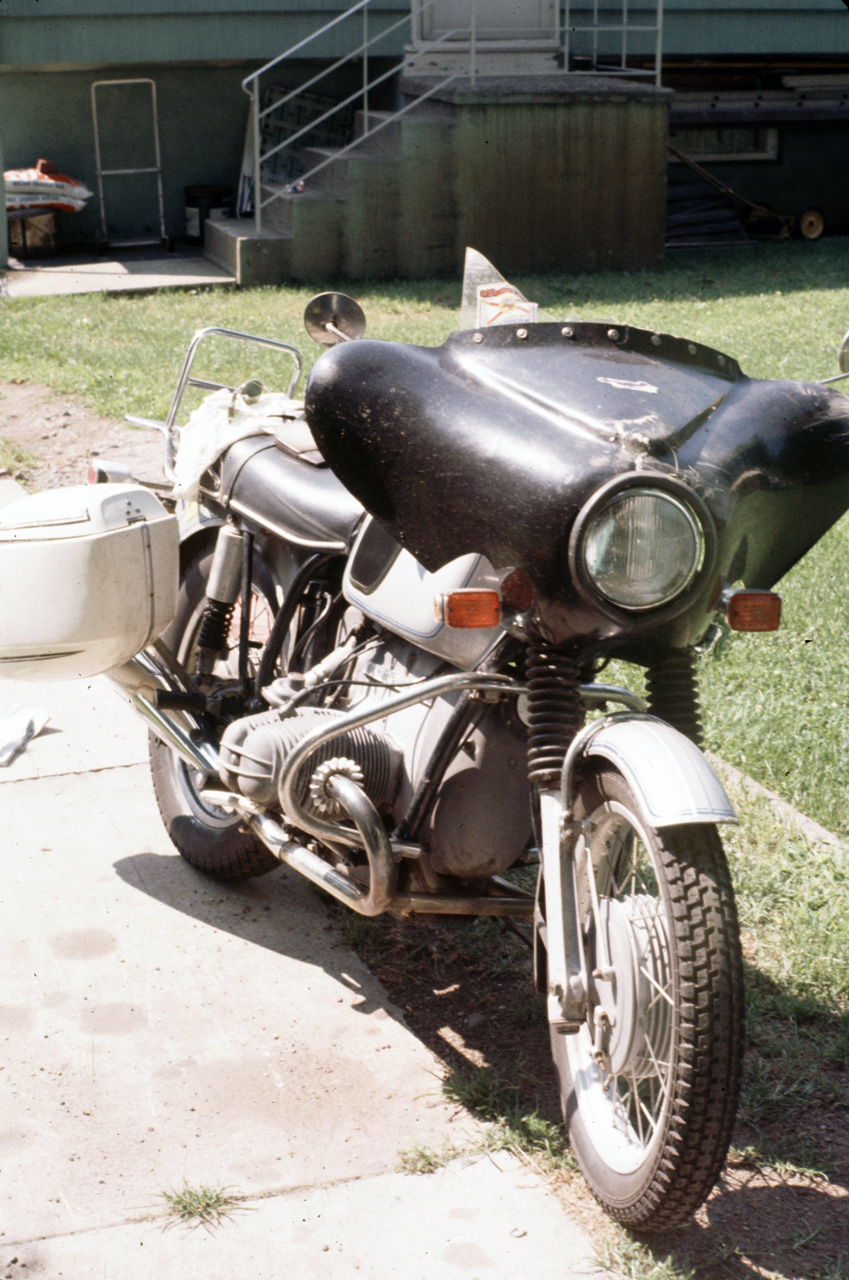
x=155 y=168
x=169 y=428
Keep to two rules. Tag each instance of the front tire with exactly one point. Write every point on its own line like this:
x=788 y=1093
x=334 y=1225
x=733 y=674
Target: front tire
x=211 y=839
x=649 y=1085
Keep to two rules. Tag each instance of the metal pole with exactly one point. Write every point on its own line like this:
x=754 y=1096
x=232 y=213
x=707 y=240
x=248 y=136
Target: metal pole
x=257 y=157
x=365 y=70
x=473 y=42
x=659 y=47
x=567 y=31
x=595 y=34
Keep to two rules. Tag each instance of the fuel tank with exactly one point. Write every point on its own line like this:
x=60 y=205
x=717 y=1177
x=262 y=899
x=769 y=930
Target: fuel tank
x=495 y=441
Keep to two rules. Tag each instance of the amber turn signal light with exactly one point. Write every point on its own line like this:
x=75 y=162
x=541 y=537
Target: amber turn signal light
x=752 y=610
x=469 y=607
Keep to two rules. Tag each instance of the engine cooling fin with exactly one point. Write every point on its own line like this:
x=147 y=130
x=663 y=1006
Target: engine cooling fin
x=255 y=748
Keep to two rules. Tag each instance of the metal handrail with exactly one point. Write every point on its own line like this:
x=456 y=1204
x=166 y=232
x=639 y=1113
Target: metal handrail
x=251 y=86
x=169 y=426
x=251 y=83
x=625 y=28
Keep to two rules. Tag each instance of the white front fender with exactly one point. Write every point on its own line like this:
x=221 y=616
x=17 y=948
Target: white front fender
x=671 y=779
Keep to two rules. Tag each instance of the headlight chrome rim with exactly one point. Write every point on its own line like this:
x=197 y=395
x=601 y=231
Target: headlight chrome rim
x=687 y=586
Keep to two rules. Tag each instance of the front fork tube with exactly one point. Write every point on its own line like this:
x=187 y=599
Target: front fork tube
x=559 y=931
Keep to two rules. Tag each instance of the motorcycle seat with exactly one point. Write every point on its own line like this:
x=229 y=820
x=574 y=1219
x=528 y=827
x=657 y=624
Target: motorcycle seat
x=280 y=490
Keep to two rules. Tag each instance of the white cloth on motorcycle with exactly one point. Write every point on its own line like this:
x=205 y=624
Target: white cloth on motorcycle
x=225 y=416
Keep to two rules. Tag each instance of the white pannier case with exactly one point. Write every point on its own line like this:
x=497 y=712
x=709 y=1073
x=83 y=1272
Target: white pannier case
x=88 y=577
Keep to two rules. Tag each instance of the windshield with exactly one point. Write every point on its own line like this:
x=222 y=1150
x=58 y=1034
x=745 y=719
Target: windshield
x=489 y=299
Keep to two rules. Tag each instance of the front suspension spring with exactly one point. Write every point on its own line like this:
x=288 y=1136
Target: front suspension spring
x=555 y=712
x=673 y=694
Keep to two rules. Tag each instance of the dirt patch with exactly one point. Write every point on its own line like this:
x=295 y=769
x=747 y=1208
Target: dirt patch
x=58 y=436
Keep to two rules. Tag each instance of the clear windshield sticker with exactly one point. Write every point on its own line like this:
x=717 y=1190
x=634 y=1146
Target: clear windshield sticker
x=504 y=304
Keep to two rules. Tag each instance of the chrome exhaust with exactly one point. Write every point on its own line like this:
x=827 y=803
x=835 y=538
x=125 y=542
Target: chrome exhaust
x=139 y=681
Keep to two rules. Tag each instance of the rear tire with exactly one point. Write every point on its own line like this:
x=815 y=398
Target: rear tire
x=211 y=839
x=649 y=1085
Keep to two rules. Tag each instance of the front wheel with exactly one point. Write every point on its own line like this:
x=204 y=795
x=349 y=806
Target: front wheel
x=649 y=1084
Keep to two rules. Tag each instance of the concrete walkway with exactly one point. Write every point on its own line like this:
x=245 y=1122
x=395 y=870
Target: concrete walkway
x=159 y=1029
x=132 y=272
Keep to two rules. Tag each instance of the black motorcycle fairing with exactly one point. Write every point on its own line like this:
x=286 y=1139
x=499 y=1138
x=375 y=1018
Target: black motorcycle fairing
x=494 y=442
x=304 y=504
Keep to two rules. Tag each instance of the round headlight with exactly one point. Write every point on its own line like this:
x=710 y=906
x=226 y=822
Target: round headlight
x=642 y=548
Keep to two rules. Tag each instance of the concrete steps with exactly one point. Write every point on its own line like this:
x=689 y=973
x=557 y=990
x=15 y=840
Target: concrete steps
x=559 y=173
x=358 y=217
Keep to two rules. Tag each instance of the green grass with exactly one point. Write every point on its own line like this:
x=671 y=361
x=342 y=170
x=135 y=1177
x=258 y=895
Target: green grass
x=200 y=1206
x=625 y=1257
x=515 y=1126
x=12 y=458
x=779 y=309
x=793 y=902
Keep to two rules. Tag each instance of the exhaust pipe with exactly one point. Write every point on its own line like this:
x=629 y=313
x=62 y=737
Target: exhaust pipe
x=138 y=681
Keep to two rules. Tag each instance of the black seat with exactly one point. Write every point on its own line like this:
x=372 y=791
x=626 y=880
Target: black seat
x=303 y=503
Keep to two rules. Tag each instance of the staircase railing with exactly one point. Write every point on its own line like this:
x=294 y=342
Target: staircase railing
x=251 y=86
x=604 y=23
x=251 y=193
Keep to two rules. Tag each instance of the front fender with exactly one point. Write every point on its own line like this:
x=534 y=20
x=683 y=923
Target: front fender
x=671 y=779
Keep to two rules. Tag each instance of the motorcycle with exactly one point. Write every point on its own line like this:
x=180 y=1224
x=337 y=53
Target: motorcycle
x=366 y=632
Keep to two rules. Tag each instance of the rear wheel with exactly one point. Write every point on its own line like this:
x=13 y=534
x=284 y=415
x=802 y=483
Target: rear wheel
x=649 y=1085
x=211 y=839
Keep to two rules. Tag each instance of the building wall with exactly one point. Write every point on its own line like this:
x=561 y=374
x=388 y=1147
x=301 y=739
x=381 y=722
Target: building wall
x=198 y=52
x=64 y=32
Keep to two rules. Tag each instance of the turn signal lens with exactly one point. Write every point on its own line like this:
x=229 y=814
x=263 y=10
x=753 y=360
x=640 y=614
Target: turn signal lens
x=752 y=610
x=469 y=607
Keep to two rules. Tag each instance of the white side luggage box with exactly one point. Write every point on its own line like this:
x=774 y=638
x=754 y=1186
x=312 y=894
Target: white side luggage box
x=88 y=577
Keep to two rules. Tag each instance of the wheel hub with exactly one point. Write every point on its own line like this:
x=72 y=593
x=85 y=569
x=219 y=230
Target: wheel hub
x=632 y=1012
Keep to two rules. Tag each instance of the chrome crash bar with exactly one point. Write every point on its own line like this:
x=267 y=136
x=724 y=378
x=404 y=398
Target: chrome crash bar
x=148 y=673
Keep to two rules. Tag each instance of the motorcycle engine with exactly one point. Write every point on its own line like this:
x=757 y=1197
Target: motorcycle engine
x=254 y=749
x=480 y=821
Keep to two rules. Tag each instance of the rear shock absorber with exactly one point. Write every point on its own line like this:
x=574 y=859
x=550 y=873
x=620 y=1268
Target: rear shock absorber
x=555 y=712
x=673 y=694
x=222 y=592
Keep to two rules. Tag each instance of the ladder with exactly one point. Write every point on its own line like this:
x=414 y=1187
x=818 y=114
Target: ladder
x=155 y=168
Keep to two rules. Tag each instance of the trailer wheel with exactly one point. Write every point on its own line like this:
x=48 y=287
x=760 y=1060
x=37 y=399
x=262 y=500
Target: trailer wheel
x=810 y=224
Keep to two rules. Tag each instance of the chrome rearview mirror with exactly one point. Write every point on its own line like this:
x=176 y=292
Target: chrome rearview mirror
x=842 y=362
x=334 y=317
x=843 y=354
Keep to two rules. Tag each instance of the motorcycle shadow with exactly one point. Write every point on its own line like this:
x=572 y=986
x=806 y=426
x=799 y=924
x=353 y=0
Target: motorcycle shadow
x=279 y=912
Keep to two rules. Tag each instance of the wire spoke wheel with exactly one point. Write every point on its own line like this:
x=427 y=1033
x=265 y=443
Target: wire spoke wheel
x=649 y=1084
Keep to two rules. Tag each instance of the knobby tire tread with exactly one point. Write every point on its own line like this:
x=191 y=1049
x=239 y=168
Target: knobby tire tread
x=709 y=1021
